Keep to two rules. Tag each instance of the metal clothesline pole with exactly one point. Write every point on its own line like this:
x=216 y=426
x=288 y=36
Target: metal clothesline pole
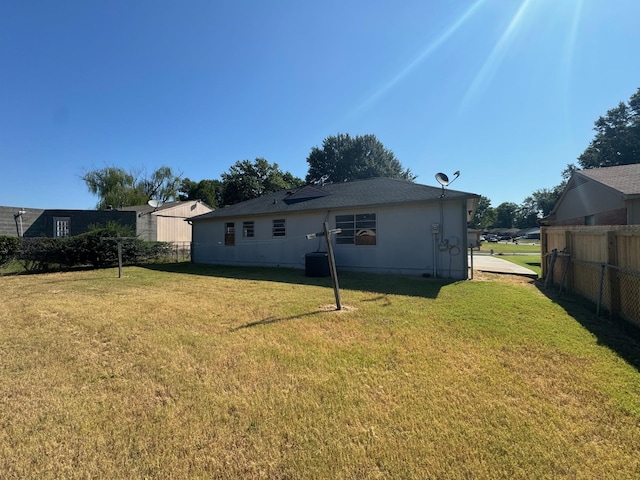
x=119 y=241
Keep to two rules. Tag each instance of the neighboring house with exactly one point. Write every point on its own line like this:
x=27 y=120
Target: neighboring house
x=473 y=237
x=387 y=226
x=36 y=222
x=599 y=196
x=166 y=223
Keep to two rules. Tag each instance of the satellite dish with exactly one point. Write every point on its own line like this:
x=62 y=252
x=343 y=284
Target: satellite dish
x=153 y=203
x=442 y=179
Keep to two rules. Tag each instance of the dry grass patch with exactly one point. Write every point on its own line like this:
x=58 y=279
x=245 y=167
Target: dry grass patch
x=188 y=375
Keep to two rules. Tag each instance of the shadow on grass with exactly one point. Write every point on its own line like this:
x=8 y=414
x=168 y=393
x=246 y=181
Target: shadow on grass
x=271 y=320
x=366 y=282
x=616 y=334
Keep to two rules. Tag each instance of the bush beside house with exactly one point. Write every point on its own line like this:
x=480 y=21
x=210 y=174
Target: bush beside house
x=93 y=248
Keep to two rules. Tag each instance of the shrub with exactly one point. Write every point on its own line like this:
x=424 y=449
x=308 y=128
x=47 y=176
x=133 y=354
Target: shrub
x=97 y=248
x=9 y=247
x=40 y=254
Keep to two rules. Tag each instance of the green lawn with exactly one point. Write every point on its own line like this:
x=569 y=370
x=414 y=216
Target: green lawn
x=532 y=262
x=510 y=248
x=181 y=371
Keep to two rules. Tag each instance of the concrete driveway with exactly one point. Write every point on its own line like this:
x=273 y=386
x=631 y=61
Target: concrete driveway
x=495 y=264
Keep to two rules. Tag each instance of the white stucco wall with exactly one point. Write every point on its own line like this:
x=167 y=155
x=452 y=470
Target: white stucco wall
x=404 y=243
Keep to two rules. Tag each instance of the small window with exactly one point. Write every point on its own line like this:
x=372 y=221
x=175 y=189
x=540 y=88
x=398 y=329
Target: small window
x=590 y=220
x=365 y=229
x=279 y=227
x=356 y=229
x=229 y=233
x=247 y=229
x=61 y=227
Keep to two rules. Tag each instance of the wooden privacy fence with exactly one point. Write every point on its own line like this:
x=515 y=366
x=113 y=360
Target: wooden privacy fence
x=599 y=263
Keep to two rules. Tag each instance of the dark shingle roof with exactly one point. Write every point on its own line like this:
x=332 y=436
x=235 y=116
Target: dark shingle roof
x=624 y=178
x=370 y=192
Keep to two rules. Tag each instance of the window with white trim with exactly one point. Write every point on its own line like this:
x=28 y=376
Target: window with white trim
x=357 y=229
x=229 y=233
x=279 y=228
x=247 y=229
x=61 y=226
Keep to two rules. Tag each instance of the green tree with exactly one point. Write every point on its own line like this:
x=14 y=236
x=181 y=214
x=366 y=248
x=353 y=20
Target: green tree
x=485 y=215
x=527 y=214
x=118 y=188
x=505 y=215
x=343 y=158
x=209 y=191
x=617 y=139
x=246 y=180
x=161 y=185
x=545 y=199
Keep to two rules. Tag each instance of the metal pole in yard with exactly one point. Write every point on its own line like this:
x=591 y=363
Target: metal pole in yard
x=119 y=241
x=119 y=259
x=332 y=266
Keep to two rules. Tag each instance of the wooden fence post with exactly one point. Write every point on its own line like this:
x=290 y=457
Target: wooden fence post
x=543 y=252
x=568 y=249
x=612 y=273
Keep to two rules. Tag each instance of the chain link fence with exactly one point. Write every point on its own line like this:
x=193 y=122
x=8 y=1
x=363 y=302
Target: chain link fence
x=613 y=290
x=181 y=251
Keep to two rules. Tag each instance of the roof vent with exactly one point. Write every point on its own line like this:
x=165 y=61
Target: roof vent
x=576 y=181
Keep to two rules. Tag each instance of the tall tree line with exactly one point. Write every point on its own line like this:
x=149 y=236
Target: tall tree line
x=341 y=158
x=345 y=158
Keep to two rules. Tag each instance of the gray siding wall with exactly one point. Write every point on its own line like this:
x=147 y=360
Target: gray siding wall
x=9 y=225
x=587 y=199
x=633 y=211
x=39 y=223
x=147 y=227
x=405 y=243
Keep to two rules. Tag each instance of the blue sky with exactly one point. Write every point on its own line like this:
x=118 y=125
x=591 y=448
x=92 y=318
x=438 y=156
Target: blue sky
x=506 y=91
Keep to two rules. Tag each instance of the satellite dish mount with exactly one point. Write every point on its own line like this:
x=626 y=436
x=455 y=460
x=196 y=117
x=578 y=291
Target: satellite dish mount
x=153 y=203
x=443 y=180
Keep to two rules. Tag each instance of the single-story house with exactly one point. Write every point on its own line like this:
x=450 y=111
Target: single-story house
x=385 y=226
x=37 y=222
x=599 y=196
x=166 y=223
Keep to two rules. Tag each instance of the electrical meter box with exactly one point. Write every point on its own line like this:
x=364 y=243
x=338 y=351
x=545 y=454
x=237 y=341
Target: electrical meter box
x=435 y=228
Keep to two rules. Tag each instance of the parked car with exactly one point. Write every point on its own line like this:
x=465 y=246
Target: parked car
x=492 y=238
